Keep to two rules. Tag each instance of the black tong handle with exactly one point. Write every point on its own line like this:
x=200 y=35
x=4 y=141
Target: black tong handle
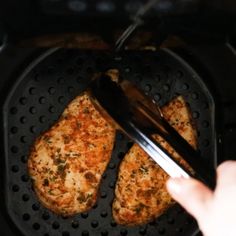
x=128 y=106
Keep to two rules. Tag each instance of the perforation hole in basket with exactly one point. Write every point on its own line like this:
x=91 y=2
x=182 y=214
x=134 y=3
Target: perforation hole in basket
x=15 y=168
x=55 y=225
x=166 y=87
x=103 y=213
x=84 y=215
x=23 y=139
x=61 y=80
x=104 y=233
x=157 y=97
x=127 y=69
x=196 y=114
x=51 y=90
x=65 y=233
x=103 y=194
x=79 y=79
x=121 y=155
x=75 y=224
x=148 y=88
x=94 y=223
x=23 y=120
x=42 y=119
x=205 y=124
x=45 y=216
x=85 y=233
x=32 y=90
x=26 y=217
x=112 y=165
x=123 y=232
x=14 y=130
x=36 y=206
x=25 y=178
x=112 y=184
x=24 y=159
x=52 y=109
x=36 y=226
x=179 y=74
x=25 y=197
x=70 y=89
x=195 y=96
x=23 y=100
x=113 y=223
x=157 y=78
x=15 y=188
x=33 y=129
x=185 y=86
x=61 y=99
x=104 y=175
x=161 y=230
x=42 y=100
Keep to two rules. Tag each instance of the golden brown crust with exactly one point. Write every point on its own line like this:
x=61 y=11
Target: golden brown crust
x=140 y=194
x=67 y=161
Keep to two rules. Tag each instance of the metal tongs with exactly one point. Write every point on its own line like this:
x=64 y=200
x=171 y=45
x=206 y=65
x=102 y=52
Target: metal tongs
x=140 y=118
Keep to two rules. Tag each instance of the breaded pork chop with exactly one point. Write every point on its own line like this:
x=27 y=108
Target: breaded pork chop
x=140 y=193
x=67 y=161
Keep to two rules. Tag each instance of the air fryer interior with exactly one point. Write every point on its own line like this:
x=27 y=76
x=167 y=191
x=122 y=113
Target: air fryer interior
x=39 y=96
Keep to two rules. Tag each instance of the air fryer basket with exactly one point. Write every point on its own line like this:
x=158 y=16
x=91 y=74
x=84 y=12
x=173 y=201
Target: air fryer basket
x=42 y=92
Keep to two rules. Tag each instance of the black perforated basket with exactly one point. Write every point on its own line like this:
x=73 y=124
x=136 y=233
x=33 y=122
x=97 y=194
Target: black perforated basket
x=42 y=92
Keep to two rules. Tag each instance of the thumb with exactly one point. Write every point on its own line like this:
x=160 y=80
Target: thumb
x=191 y=194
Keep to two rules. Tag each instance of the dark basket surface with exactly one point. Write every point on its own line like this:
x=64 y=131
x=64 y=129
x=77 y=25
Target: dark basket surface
x=38 y=98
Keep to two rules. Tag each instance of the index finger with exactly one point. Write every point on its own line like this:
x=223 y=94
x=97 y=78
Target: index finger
x=226 y=174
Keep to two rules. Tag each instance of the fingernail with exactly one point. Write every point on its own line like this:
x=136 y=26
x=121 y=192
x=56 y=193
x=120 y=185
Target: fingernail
x=174 y=185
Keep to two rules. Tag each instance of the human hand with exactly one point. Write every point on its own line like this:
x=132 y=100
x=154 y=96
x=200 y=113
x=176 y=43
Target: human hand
x=215 y=211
